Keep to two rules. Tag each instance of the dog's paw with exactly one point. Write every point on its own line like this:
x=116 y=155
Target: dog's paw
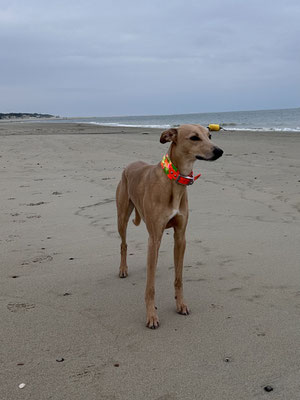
x=182 y=309
x=123 y=273
x=152 y=321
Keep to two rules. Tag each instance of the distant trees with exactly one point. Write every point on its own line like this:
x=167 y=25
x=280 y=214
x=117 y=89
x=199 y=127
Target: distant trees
x=24 y=115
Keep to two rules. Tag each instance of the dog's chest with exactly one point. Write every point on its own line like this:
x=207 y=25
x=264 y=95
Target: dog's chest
x=177 y=202
x=173 y=213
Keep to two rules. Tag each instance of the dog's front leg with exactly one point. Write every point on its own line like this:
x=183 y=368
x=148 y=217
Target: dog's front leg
x=153 y=248
x=179 y=249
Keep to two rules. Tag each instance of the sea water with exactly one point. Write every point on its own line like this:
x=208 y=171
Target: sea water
x=263 y=120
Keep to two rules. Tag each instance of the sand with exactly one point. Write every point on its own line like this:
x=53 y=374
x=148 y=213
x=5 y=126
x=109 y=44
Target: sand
x=71 y=329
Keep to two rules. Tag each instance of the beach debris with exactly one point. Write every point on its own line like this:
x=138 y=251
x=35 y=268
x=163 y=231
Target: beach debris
x=67 y=294
x=227 y=359
x=56 y=193
x=71 y=258
x=20 y=364
x=116 y=365
x=60 y=359
x=268 y=388
x=22 y=385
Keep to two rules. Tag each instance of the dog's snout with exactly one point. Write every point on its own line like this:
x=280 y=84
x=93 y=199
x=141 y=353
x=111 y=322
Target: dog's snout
x=217 y=152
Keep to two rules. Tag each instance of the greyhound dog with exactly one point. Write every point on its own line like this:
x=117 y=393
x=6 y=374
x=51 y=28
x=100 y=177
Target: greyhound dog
x=158 y=194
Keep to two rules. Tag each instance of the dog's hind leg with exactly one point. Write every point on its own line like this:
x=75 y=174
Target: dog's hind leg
x=124 y=208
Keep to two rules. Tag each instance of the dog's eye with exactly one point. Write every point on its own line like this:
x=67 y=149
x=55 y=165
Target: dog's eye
x=209 y=136
x=195 y=138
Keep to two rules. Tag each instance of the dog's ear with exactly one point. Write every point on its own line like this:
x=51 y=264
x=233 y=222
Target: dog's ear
x=169 y=136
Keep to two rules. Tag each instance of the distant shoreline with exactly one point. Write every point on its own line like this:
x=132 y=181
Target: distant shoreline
x=287 y=120
x=112 y=128
x=25 y=116
x=44 y=128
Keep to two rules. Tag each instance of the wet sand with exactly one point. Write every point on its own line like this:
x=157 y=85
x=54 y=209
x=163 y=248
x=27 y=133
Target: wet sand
x=61 y=298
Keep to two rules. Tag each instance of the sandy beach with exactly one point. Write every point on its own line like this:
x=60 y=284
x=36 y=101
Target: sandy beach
x=71 y=329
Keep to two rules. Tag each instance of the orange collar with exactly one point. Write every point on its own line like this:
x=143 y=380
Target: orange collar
x=173 y=173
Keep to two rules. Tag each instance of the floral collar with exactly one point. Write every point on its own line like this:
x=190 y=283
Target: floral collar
x=173 y=173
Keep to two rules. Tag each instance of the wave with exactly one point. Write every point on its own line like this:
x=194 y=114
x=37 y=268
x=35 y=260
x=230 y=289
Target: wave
x=231 y=127
x=117 y=124
x=229 y=124
x=266 y=129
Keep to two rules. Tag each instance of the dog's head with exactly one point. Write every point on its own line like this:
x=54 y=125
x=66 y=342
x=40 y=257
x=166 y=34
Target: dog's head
x=193 y=141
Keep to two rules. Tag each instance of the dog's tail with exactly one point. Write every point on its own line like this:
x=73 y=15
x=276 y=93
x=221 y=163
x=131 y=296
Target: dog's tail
x=137 y=218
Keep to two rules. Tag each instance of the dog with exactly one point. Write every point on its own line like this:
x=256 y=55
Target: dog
x=158 y=193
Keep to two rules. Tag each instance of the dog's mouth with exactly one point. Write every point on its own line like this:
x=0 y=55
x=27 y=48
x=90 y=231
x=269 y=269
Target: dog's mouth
x=217 y=153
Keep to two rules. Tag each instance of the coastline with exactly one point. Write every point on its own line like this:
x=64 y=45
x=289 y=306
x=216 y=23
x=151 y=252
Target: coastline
x=74 y=128
x=259 y=120
x=61 y=297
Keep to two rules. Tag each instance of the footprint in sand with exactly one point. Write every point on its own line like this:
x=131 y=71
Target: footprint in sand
x=39 y=259
x=235 y=289
x=19 y=307
x=36 y=204
x=195 y=280
x=11 y=238
x=42 y=258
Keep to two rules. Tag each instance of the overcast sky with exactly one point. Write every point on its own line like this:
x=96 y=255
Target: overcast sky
x=132 y=57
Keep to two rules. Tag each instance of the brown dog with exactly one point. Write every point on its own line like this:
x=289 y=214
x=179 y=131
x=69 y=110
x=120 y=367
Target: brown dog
x=158 y=194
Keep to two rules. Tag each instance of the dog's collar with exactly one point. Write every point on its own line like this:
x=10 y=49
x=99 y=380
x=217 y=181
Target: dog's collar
x=173 y=173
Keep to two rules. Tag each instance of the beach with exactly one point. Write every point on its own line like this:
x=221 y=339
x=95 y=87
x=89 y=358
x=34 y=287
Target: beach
x=71 y=329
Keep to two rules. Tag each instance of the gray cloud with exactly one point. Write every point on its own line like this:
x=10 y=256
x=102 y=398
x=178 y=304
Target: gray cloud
x=138 y=57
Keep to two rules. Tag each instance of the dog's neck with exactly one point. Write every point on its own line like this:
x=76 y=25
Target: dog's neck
x=184 y=165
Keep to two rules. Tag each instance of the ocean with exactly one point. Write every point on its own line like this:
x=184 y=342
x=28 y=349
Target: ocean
x=263 y=120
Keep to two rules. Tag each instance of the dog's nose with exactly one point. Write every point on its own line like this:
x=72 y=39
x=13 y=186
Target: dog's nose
x=217 y=152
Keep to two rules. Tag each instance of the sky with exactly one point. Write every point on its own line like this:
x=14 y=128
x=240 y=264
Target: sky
x=137 y=57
